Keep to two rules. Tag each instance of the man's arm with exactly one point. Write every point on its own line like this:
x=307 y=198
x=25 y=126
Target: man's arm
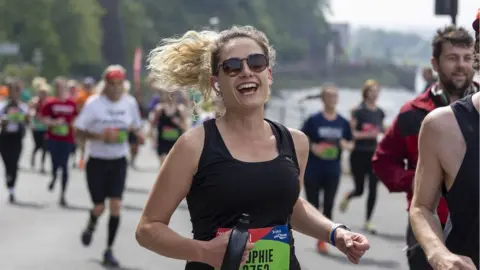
x=388 y=161
x=81 y=125
x=427 y=192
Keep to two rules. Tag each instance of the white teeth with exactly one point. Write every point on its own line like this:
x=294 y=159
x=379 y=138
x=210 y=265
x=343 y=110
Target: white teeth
x=247 y=93
x=246 y=85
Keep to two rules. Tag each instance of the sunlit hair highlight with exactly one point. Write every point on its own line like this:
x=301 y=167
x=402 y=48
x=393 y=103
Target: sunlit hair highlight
x=188 y=62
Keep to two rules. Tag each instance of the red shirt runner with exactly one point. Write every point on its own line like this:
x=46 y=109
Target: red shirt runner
x=56 y=109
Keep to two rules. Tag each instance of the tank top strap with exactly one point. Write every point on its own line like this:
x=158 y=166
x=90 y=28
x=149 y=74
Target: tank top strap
x=214 y=148
x=468 y=120
x=285 y=144
x=210 y=133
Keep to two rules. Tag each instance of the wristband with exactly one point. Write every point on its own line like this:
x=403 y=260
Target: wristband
x=333 y=230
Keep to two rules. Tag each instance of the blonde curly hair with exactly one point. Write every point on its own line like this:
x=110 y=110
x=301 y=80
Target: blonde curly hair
x=40 y=84
x=189 y=61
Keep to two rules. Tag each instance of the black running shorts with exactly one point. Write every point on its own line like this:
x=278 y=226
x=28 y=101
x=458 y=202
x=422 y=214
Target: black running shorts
x=106 y=178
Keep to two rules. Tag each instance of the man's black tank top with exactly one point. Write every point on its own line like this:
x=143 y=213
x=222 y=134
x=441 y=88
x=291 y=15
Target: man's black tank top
x=462 y=198
x=224 y=188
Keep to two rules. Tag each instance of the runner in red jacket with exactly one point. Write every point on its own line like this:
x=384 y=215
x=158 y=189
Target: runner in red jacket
x=400 y=144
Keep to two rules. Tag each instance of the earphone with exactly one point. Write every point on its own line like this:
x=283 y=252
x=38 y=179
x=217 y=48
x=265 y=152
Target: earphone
x=440 y=98
x=216 y=86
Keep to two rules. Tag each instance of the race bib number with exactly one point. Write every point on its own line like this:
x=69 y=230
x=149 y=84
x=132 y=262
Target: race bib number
x=271 y=251
x=170 y=133
x=60 y=130
x=16 y=117
x=326 y=151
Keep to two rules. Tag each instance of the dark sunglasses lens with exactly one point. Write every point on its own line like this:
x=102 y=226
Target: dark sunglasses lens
x=232 y=66
x=257 y=62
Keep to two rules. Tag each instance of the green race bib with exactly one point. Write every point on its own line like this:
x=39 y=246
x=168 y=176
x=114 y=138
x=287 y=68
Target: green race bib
x=170 y=134
x=122 y=136
x=326 y=151
x=60 y=130
x=271 y=251
x=16 y=117
x=37 y=125
x=330 y=153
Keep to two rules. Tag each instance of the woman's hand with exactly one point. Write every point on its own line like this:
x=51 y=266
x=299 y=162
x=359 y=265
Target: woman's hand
x=215 y=249
x=354 y=245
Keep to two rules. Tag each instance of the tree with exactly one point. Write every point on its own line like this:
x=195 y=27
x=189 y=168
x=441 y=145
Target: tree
x=66 y=31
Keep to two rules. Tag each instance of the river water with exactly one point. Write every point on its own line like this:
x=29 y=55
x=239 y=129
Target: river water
x=286 y=108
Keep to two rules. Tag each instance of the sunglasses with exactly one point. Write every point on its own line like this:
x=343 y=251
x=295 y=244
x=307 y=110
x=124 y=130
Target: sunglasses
x=233 y=66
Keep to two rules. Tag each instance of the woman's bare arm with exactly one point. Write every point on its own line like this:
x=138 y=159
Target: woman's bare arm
x=171 y=187
x=306 y=218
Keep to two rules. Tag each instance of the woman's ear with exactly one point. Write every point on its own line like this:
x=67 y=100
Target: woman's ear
x=215 y=85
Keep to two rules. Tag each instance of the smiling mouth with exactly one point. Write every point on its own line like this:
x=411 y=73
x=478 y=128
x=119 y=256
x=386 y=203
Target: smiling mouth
x=247 y=89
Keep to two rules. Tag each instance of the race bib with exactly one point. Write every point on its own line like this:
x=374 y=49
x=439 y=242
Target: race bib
x=271 y=251
x=37 y=125
x=330 y=152
x=326 y=151
x=170 y=133
x=122 y=135
x=366 y=127
x=60 y=130
x=16 y=117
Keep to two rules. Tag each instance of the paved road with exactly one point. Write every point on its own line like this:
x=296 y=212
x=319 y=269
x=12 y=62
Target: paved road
x=38 y=234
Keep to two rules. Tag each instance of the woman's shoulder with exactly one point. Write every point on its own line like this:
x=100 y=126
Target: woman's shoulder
x=300 y=140
x=191 y=142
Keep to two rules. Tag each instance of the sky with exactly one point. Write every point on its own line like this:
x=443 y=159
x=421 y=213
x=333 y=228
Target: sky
x=401 y=15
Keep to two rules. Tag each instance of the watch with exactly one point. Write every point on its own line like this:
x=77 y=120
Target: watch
x=334 y=228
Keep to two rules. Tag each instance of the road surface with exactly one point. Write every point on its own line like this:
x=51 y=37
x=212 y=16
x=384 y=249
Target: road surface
x=38 y=234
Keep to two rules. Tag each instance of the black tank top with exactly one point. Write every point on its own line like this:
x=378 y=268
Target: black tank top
x=224 y=188
x=462 y=198
x=367 y=120
x=19 y=131
x=166 y=120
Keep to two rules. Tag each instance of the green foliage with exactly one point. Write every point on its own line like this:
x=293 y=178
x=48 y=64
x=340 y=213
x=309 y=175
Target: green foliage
x=69 y=33
x=24 y=72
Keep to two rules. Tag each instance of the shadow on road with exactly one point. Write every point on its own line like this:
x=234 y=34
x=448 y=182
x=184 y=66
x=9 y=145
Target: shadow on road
x=382 y=264
x=146 y=170
x=113 y=268
x=137 y=190
x=390 y=237
x=134 y=208
x=32 y=205
x=73 y=207
x=32 y=171
x=384 y=235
